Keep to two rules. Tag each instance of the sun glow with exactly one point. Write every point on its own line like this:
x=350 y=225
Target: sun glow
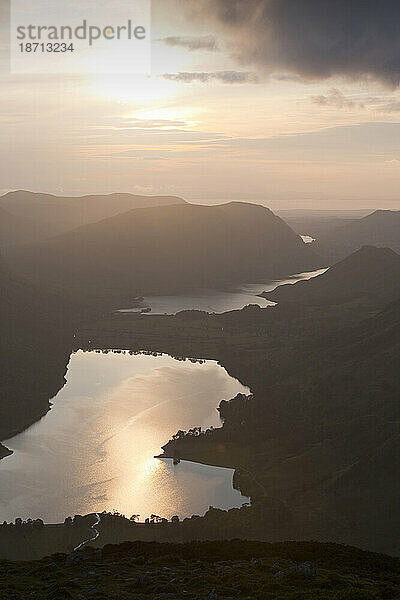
x=145 y=89
x=176 y=116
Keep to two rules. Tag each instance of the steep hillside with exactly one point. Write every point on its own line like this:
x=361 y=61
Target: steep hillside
x=166 y=249
x=369 y=273
x=36 y=332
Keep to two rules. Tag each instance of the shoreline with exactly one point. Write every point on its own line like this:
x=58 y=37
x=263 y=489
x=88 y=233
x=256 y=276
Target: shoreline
x=214 y=486
x=4 y=451
x=252 y=346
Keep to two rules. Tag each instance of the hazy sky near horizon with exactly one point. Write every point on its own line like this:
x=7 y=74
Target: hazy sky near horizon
x=289 y=105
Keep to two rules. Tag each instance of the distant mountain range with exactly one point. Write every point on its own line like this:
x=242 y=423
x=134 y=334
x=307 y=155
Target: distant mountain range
x=380 y=228
x=38 y=216
x=318 y=223
x=369 y=273
x=166 y=249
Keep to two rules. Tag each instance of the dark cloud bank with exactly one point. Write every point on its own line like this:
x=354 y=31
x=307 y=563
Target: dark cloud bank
x=313 y=38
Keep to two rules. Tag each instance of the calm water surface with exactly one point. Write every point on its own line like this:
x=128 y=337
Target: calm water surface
x=214 y=301
x=307 y=239
x=94 y=450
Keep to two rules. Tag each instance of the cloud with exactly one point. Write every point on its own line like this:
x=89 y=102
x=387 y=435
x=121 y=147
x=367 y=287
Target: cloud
x=366 y=143
x=229 y=77
x=336 y=99
x=285 y=77
x=192 y=43
x=133 y=123
x=150 y=138
x=363 y=143
x=391 y=107
x=312 y=38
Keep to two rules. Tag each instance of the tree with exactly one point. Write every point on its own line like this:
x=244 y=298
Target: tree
x=155 y=519
x=38 y=524
x=134 y=518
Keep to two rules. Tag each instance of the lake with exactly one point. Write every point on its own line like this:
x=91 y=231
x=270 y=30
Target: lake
x=95 y=449
x=216 y=301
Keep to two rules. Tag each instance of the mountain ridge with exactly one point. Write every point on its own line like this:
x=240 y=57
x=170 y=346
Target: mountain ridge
x=52 y=215
x=166 y=249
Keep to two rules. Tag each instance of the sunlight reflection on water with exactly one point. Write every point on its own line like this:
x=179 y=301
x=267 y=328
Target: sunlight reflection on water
x=94 y=450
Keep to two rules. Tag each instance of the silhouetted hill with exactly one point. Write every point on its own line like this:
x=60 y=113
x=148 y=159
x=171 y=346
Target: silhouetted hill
x=166 y=249
x=15 y=229
x=36 y=331
x=381 y=228
x=203 y=570
x=370 y=273
x=51 y=215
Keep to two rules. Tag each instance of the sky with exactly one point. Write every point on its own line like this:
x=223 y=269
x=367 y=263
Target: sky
x=282 y=103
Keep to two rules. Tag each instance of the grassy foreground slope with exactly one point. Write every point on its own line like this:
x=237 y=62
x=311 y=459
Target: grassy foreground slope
x=206 y=570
